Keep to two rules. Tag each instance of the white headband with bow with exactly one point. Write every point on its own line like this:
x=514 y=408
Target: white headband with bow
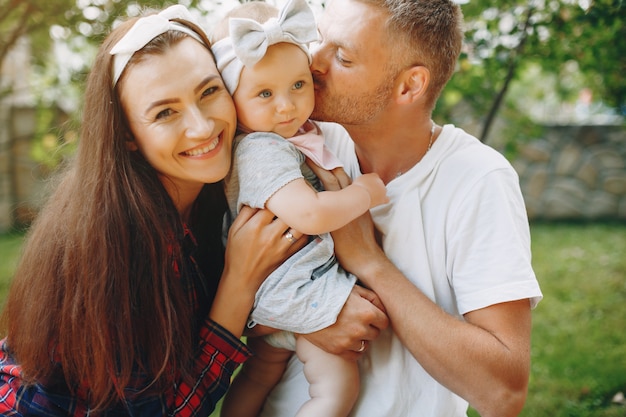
x=249 y=39
x=146 y=29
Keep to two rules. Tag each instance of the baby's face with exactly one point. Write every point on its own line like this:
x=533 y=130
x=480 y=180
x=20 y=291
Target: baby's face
x=276 y=94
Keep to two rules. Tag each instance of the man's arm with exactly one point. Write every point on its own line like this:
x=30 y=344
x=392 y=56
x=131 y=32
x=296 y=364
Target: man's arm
x=484 y=359
x=361 y=319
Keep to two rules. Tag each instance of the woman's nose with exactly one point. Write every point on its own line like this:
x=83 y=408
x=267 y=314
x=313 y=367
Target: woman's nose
x=198 y=125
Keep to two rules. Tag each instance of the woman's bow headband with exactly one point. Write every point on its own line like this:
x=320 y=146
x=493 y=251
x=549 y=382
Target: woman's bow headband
x=146 y=29
x=249 y=40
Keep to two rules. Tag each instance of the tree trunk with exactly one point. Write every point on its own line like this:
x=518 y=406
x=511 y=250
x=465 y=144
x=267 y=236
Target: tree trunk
x=514 y=58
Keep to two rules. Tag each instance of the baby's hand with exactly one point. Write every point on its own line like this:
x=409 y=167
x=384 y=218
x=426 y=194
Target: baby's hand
x=375 y=188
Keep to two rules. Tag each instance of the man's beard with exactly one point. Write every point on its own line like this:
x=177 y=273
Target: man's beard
x=351 y=109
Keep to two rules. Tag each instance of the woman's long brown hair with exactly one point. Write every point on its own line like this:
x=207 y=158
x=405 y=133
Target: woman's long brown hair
x=96 y=291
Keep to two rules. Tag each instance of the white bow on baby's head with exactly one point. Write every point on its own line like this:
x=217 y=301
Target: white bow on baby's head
x=146 y=29
x=249 y=39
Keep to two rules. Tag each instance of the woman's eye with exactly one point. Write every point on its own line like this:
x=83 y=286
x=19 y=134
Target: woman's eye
x=209 y=91
x=163 y=114
x=265 y=94
x=298 y=85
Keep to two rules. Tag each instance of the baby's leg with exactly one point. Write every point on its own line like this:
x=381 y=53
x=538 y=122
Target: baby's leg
x=257 y=377
x=333 y=381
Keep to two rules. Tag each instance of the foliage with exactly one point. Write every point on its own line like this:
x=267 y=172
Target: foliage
x=504 y=41
x=506 y=38
x=74 y=29
x=32 y=18
x=595 y=39
x=54 y=139
x=10 y=247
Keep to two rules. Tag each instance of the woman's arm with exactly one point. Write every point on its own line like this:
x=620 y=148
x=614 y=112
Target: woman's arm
x=256 y=246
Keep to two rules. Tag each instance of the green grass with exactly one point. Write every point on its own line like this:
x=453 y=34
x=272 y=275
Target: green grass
x=10 y=246
x=579 y=329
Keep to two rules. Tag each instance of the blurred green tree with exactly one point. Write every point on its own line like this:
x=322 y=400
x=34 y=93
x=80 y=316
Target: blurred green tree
x=504 y=39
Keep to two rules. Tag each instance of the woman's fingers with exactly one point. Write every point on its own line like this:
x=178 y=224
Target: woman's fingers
x=292 y=235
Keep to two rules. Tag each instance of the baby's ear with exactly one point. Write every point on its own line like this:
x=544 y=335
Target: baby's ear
x=412 y=83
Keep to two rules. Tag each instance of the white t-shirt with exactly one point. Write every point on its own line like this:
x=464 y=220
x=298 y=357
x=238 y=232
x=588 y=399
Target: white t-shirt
x=456 y=226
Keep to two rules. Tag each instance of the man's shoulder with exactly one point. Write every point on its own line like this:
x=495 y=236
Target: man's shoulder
x=464 y=149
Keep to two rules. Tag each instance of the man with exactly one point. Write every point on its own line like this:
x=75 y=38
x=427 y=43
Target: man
x=455 y=276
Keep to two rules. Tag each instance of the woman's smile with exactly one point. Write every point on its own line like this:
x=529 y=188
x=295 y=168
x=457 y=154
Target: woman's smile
x=204 y=149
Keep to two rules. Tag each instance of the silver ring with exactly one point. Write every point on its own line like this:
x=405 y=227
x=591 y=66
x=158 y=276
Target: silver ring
x=289 y=236
x=362 y=348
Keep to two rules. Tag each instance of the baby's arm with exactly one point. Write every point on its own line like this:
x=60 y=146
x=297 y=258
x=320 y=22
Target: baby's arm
x=311 y=212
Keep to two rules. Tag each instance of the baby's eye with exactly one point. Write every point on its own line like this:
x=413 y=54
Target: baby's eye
x=163 y=114
x=265 y=94
x=298 y=85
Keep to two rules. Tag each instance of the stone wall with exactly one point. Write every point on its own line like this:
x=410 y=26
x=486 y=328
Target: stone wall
x=574 y=173
x=19 y=177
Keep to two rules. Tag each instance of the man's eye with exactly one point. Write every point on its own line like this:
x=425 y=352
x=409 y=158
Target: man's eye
x=341 y=59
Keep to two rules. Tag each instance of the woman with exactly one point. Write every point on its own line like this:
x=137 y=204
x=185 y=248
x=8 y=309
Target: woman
x=125 y=302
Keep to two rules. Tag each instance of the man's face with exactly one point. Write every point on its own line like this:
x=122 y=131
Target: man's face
x=353 y=82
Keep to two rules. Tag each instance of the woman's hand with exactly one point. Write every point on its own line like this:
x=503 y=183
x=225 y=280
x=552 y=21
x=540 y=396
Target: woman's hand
x=257 y=244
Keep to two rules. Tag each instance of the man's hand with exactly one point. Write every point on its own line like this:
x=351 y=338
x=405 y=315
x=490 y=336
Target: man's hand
x=361 y=319
x=356 y=245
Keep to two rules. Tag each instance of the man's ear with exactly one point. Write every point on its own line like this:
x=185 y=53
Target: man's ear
x=412 y=84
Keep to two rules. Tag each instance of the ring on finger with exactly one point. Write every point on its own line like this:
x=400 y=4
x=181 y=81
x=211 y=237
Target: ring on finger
x=362 y=348
x=289 y=236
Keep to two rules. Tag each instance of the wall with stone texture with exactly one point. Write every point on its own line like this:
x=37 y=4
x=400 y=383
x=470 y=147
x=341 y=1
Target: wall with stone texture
x=19 y=179
x=575 y=173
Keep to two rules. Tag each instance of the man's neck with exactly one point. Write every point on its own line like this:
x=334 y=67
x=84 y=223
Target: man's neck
x=392 y=151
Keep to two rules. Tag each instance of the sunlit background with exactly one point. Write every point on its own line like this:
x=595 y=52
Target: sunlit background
x=542 y=81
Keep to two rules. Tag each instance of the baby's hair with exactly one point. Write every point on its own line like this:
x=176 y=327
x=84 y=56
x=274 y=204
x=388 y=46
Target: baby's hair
x=256 y=10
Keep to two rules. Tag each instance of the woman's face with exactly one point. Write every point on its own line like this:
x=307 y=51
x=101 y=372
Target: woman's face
x=182 y=117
